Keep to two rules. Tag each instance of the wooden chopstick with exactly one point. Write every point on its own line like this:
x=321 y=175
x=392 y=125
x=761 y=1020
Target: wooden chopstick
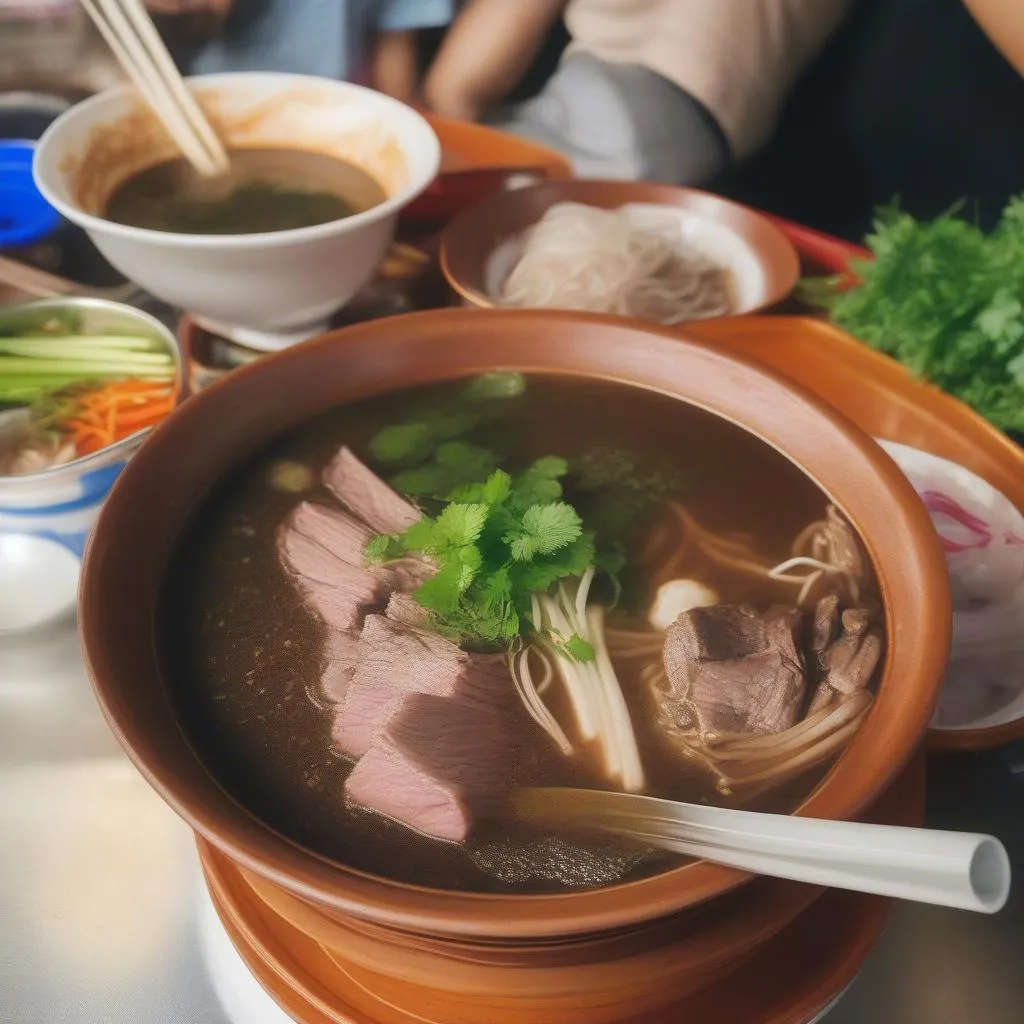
x=131 y=35
x=150 y=38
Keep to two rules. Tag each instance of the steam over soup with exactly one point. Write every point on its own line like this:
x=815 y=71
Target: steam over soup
x=265 y=190
x=389 y=620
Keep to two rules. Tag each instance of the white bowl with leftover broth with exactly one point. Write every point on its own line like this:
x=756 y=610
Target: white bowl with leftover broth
x=282 y=282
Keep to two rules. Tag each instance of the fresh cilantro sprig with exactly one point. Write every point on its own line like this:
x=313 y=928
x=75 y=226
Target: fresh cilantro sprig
x=496 y=544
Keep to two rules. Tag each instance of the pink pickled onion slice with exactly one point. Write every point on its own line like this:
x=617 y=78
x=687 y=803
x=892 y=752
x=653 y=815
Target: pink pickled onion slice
x=943 y=505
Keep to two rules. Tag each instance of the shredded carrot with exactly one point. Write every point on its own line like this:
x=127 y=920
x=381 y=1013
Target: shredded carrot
x=114 y=411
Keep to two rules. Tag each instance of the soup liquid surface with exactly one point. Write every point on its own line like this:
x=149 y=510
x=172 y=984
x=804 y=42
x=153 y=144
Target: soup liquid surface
x=243 y=654
x=265 y=190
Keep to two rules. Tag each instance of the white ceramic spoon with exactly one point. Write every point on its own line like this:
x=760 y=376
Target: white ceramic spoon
x=950 y=869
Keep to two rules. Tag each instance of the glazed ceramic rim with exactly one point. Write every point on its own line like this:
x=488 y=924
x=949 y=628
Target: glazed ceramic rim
x=437 y=345
x=488 y=223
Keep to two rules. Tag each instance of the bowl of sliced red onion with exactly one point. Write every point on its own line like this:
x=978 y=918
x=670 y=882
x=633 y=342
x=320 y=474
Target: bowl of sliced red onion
x=982 y=536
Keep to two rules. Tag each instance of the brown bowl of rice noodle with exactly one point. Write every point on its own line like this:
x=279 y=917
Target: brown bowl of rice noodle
x=652 y=252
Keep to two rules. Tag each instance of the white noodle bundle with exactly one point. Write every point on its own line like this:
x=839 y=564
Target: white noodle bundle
x=584 y=258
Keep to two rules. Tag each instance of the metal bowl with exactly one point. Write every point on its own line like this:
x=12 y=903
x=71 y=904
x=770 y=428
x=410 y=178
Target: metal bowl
x=45 y=518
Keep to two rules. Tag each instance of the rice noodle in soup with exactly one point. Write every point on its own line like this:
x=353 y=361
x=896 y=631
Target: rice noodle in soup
x=600 y=261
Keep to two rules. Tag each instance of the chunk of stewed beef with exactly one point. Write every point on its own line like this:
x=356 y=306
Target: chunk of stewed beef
x=849 y=662
x=735 y=670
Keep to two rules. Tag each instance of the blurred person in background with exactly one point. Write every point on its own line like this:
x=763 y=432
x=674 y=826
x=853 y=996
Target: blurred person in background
x=915 y=101
x=662 y=90
x=368 y=41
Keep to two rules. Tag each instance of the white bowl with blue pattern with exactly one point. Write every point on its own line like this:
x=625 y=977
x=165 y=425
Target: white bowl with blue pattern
x=45 y=518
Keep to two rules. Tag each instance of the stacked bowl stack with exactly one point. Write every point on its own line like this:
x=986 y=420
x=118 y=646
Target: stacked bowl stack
x=336 y=944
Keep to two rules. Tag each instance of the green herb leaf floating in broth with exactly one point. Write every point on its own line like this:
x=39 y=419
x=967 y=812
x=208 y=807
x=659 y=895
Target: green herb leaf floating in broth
x=500 y=384
x=382 y=548
x=430 y=446
x=406 y=442
x=492 y=556
x=459 y=524
x=466 y=462
x=540 y=483
x=427 y=481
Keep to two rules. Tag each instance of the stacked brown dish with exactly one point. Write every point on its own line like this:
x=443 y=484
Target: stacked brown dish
x=331 y=933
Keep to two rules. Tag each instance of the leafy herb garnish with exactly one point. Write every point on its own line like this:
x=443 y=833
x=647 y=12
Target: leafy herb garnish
x=496 y=544
x=947 y=301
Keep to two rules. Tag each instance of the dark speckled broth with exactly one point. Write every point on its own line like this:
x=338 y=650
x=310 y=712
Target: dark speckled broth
x=243 y=654
x=264 y=190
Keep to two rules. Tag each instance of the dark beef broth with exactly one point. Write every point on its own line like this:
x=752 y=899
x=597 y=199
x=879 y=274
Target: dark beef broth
x=243 y=654
x=265 y=190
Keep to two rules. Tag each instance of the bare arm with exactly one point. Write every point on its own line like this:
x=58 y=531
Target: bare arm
x=394 y=70
x=1003 y=22
x=487 y=50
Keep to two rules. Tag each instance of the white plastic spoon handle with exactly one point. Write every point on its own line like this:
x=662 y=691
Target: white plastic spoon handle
x=964 y=870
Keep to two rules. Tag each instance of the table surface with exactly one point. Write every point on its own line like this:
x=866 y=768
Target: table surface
x=101 y=907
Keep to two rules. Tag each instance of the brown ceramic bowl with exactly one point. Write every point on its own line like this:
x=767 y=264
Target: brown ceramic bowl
x=480 y=246
x=476 y=161
x=211 y=433
x=731 y=960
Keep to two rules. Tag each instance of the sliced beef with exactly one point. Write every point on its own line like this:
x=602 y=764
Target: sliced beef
x=440 y=765
x=430 y=723
x=339 y=663
x=367 y=496
x=393 y=660
x=407 y=610
x=337 y=531
x=737 y=670
x=322 y=549
x=346 y=538
x=338 y=591
x=850 y=661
